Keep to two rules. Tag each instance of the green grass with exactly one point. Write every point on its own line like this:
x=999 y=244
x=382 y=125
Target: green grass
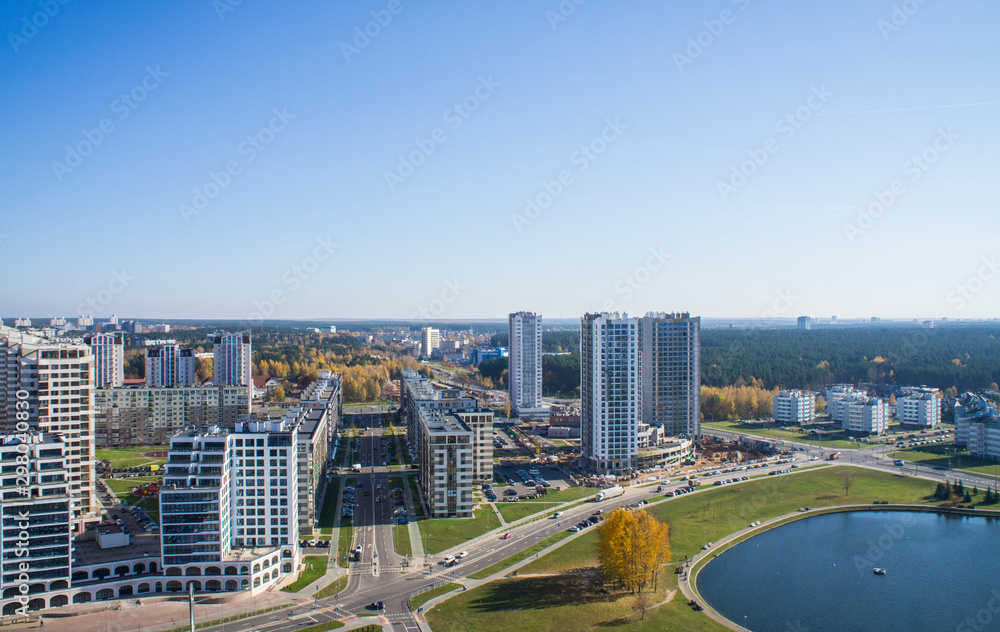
x=118 y=485
x=833 y=439
x=512 y=512
x=323 y=627
x=561 y=603
x=345 y=540
x=418 y=507
x=315 y=567
x=418 y=600
x=439 y=534
x=328 y=517
x=520 y=556
x=131 y=457
x=695 y=519
x=401 y=536
x=569 y=493
x=937 y=456
x=332 y=588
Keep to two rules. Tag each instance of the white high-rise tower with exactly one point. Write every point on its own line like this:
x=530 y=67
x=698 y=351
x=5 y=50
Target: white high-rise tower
x=524 y=373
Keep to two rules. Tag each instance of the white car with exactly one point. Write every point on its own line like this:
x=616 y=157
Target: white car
x=462 y=554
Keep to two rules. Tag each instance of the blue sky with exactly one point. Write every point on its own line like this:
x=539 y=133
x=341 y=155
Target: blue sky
x=690 y=193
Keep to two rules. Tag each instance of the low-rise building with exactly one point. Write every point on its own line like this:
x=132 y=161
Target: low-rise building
x=977 y=426
x=793 y=407
x=919 y=407
x=866 y=416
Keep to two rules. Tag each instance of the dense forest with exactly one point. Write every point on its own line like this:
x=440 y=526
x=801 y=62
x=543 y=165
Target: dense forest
x=961 y=356
x=560 y=374
x=557 y=341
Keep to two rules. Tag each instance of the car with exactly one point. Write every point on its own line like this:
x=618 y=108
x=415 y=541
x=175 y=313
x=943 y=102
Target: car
x=505 y=536
x=574 y=529
x=378 y=499
x=462 y=554
x=376 y=605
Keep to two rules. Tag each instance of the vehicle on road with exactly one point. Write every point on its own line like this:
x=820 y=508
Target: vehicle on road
x=610 y=492
x=833 y=456
x=505 y=536
x=462 y=554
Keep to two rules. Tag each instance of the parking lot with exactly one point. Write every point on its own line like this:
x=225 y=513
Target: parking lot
x=554 y=477
x=135 y=519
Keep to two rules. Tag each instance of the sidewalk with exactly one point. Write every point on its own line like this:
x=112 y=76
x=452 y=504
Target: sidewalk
x=416 y=543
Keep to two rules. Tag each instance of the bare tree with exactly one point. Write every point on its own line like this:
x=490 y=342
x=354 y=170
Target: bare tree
x=642 y=604
x=848 y=479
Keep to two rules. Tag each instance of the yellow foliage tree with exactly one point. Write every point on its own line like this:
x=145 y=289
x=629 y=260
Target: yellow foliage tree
x=632 y=548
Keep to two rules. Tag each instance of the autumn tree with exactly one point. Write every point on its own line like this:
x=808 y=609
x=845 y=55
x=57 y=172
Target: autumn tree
x=632 y=548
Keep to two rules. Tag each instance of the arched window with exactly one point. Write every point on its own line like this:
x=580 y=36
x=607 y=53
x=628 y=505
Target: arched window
x=213 y=585
x=105 y=593
x=83 y=597
x=143 y=588
x=174 y=586
x=231 y=585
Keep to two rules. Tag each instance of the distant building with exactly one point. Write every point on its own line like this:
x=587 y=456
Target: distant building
x=233 y=358
x=170 y=365
x=22 y=322
x=837 y=398
x=805 y=323
x=109 y=358
x=920 y=407
x=85 y=321
x=524 y=368
x=264 y=385
x=793 y=407
x=430 y=339
x=478 y=355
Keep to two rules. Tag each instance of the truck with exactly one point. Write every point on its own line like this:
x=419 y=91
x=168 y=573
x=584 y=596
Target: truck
x=833 y=456
x=610 y=492
x=356 y=467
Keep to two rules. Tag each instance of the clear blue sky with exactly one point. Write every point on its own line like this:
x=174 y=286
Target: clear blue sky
x=679 y=126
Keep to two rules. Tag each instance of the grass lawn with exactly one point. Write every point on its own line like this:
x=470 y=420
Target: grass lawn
x=119 y=485
x=345 y=540
x=939 y=456
x=418 y=507
x=131 y=457
x=315 y=567
x=401 y=535
x=513 y=512
x=328 y=515
x=695 y=519
x=830 y=440
x=561 y=603
x=522 y=555
x=570 y=493
x=420 y=599
x=439 y=534
x=332 y=588
x=324 y=627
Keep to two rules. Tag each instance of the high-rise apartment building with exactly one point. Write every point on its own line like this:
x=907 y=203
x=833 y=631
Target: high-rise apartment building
x=637 y=373
x=54 y=379
x=610 y=391
x=524 y=373
x=671 y=372
x=35 y=512
x=233 y=357
x=430 y=339
x=804 y=323
x=229 y=504
x=170 y=365
x=109 y=358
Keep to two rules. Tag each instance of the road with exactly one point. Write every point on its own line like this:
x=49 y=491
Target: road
x=385 y=581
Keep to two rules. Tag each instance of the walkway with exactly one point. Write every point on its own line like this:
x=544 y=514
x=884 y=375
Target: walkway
x=416 y=543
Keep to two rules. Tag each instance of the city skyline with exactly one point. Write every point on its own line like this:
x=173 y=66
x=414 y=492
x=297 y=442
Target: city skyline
x=235 y=161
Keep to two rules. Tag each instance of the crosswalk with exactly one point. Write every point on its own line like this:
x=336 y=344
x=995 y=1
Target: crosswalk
x=368 y=569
